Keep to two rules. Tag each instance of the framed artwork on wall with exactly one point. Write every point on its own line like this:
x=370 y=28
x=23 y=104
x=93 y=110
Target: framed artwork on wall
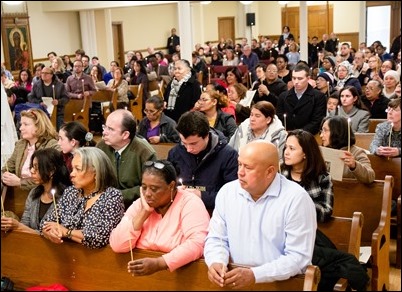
x=16 y=43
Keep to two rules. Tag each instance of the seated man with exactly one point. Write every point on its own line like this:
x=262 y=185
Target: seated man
x=127 y=152
x=204 y=160
x=261 y=220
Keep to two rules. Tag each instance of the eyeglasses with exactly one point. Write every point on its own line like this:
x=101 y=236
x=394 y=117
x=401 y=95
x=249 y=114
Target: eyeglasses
x=45 y=73
x=204 y=99
x=107 y=128
x=157 y=165
x=146 y=111
x=391 y=109
x=323 y=131
x=34 y=168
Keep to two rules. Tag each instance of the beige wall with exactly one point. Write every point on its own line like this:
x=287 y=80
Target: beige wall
x=55 y=25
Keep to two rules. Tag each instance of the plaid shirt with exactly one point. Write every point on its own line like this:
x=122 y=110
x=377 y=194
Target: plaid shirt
x=321 y=192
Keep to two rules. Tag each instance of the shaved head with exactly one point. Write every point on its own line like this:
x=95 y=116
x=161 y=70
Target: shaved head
x=258 y=165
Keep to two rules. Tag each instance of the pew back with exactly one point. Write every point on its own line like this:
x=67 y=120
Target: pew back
x=162 y=149
x=39 y=262
x=363 y=140
x=77 y=110
x=374 y=201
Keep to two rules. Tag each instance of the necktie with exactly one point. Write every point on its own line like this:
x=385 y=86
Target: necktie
x=117 y=156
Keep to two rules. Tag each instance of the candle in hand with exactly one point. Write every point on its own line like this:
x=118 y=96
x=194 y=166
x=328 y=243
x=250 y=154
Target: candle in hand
x=284 y=120
x=54 y=96
x=53 y=192
x=209 y=75
x=83 y=88
x=348 y=134
x=181 y=181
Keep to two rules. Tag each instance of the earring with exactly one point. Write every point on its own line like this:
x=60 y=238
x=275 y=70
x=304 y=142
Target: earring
x=171 y=195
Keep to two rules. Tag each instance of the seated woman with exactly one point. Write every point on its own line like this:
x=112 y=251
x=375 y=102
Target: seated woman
x=73 y=135
x=263 y=124
x=139 y=76
x=353 y=108
x=304 y=164
x=335 y=134
x=344 y=74
x=387 y=138
x=165 y=218
x=120 y=84
x=210 y=104
x=37 y=132
x=49 y=173
x=237 y=92
x=157 y=127
x=90 y=209
x=229 y=108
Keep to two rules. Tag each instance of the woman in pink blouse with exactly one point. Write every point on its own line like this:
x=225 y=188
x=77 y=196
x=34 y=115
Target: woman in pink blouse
x=165 y=218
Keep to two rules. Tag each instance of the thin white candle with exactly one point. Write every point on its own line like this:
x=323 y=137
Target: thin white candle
x=54 y=96
x=181 y=181
x=131 y=249
x=209 y=75
x=338 y=110
x=328 y=88
x=83 y=88
x=2 y=208
x=348 y=134
x=53 y=192
x=249 y=75
x=284 y=120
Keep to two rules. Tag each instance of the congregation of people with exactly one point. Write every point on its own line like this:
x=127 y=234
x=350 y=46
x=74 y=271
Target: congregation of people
x=241 y=177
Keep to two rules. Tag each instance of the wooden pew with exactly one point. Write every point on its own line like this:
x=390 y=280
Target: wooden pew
x=14 y=199
x=137 y=102
x=162 y=149
x=106 y=96
x=363 y=140
x=345 y=233
x=374 y=201
x=373 y=124
x=78 y=110
x=31 y=260
x=382 y=167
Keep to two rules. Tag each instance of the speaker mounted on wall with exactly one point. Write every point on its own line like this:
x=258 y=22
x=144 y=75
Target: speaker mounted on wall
x=250 y=17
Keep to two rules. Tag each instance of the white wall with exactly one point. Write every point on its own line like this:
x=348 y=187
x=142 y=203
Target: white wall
x=53 y=28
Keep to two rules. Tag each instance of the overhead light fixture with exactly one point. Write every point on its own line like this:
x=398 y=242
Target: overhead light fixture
x=246 y=2
x=13 y=2
x=283 y=2
x=205 y=2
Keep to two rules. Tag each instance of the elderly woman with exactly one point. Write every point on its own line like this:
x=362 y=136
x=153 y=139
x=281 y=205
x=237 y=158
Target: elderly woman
x=166 y=218
x=37 y=132
x=49 y=174
x=183 y=91
x=391 y=80
x=335 y=134
x=210 y=103
x=156 y=127
x=90 y=209
x=263 y=124
x=344 y=76
x=353 y=108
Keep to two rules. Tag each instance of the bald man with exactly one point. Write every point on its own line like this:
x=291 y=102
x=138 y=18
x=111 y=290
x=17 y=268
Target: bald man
x=261 y=220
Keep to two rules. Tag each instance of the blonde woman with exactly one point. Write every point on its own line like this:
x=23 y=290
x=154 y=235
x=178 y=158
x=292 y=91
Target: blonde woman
x=120 y=84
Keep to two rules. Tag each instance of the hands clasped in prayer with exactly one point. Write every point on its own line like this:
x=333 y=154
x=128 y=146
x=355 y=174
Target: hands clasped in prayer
x=237 y=278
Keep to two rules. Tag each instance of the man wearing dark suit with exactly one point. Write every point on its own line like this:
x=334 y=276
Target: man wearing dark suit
x=301 y=107
x=173 y=41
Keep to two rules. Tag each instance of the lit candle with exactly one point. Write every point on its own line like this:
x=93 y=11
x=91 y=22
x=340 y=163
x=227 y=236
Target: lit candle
x=284 y=119
x=209 y=75
x=348 y=134
x=54 y=96
x=328 y=88
x=249 y=75
x=338 y=107
x=53 y=192
x=181 y=181
x=83 y=88
x=129 y=239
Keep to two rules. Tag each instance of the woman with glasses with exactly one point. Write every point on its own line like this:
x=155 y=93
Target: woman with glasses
x=36 y=132
x=344 y=77
x=210 y=103
x=88 y=210
x=335 y=134
x=166 y=218
x=387 y=138
x=156 y=127
x=50 y=174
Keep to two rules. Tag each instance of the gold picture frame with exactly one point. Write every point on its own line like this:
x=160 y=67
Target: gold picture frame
x=16 y=43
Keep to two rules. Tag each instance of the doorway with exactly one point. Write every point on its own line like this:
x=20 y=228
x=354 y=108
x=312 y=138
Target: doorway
x=226 y=28
x=118 y=47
